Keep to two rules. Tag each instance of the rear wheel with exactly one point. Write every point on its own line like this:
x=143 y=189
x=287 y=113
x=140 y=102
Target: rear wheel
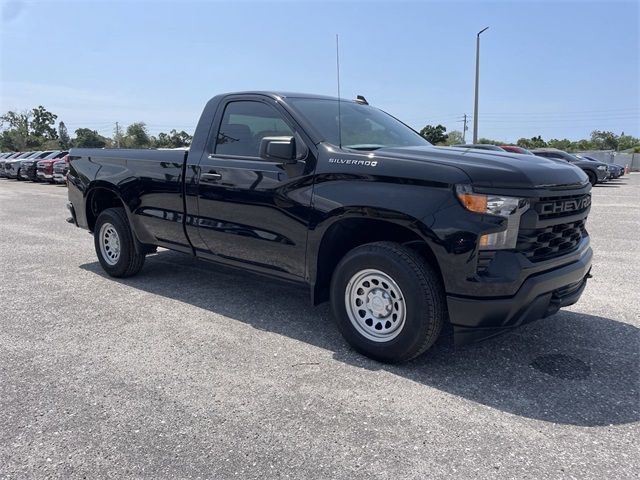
x=387 y=301
x=115 y=244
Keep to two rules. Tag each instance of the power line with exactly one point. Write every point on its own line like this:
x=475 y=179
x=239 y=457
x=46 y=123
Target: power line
x=565 y=112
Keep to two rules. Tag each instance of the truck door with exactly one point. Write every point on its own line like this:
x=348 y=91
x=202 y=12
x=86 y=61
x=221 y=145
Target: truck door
x=252 y=211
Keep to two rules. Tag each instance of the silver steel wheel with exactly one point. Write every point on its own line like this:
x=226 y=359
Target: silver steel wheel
x=109 y=243
x=375 y=305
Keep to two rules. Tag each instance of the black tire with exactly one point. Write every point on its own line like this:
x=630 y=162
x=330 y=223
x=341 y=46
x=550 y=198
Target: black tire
x=18 y=177
x=593 y=179
x=129 y=261
x=423 y=294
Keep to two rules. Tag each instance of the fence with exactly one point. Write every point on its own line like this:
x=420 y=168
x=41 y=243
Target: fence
x=611 y=156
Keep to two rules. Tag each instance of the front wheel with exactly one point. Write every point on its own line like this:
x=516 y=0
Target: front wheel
x=593 y=179
x=387 y=301
x=115 y=244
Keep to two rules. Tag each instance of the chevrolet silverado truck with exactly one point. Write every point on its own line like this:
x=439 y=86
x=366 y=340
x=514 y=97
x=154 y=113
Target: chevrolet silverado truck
x=400 y=236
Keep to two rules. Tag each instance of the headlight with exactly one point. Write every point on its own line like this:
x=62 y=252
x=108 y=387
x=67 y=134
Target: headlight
x=510 y=208
x=602 y=167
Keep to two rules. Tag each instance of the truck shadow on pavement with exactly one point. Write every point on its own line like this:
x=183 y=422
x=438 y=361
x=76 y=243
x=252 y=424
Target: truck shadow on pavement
x=570 y=368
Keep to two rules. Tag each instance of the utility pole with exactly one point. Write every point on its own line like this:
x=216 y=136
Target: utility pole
x=475 y=110
x=117 y=136
x=464 y=129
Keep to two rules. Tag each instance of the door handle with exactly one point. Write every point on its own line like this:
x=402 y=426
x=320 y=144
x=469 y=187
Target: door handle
x=210 y=177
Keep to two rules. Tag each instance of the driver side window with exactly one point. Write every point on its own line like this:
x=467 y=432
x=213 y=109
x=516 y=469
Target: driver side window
x=244 y=124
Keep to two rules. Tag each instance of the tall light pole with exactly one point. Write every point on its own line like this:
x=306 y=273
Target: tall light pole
x=475 y=110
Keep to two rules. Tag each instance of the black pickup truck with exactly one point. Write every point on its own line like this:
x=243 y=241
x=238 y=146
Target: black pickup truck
x=401 y=236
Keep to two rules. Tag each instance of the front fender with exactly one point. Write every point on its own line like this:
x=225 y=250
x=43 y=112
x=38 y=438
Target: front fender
x=431 y=216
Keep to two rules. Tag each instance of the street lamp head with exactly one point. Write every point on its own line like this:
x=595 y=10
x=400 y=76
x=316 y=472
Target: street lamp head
x=482 y=31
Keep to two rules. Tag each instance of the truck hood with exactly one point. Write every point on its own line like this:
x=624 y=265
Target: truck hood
x=488 y=168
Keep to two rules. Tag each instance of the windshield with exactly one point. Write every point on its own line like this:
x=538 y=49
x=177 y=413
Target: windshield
x=362 y=127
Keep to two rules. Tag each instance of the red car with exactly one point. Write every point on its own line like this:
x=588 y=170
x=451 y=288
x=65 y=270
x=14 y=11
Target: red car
x=515 y=149
x=60 y=169
x=45 y=166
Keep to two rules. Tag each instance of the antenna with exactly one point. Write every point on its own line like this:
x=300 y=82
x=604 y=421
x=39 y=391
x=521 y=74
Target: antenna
x=339 y=99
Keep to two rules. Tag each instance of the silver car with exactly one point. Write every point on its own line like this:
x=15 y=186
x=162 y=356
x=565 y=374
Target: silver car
x=4 y=157
x=12 y=165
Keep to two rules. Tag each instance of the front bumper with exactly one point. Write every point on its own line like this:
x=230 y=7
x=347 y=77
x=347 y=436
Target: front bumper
x=29 y=173
x=44 y=176
x=602 y=175
x=539 y=296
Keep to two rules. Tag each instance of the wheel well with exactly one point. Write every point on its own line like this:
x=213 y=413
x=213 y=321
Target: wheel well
x=346 y=235
x=98 y=200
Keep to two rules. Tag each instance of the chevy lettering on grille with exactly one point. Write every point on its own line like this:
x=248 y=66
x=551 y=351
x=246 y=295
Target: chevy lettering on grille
x=564 y=206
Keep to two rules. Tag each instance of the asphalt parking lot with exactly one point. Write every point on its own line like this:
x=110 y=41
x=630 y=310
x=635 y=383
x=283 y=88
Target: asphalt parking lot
x=193 y=371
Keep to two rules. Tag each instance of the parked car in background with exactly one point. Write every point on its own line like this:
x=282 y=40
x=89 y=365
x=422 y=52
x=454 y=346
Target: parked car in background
x=5 y=160
x=516 y=149
x=5 y=156
x=596 y=171
x=28 y=168
x=619 y=169
x=615 y=170
x=12 y=165
x=480 y=146
x=60 y=169
x=44 y=167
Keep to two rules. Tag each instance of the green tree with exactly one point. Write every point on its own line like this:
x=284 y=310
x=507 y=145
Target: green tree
x=15 y=135
x=9 y=142
x=181 y=138
x=488 y=141
x=42 y=124
x=454 y=137
x=533 y=142
x=582 y=145
x=564 y=144
x=626 y=142
x=173 y=139
x=434 y=135
x=137 y=136
x=64 y=141
x=87 y=138
x=28 y=130
x=604 y=140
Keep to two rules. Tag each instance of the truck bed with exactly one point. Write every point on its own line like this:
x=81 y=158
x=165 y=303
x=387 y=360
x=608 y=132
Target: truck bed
x=149 y=182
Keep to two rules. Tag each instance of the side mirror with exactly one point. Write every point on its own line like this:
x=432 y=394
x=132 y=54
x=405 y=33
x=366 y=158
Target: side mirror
x=278 y=149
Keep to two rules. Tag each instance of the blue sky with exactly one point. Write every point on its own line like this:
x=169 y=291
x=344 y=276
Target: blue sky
x=558 y=69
